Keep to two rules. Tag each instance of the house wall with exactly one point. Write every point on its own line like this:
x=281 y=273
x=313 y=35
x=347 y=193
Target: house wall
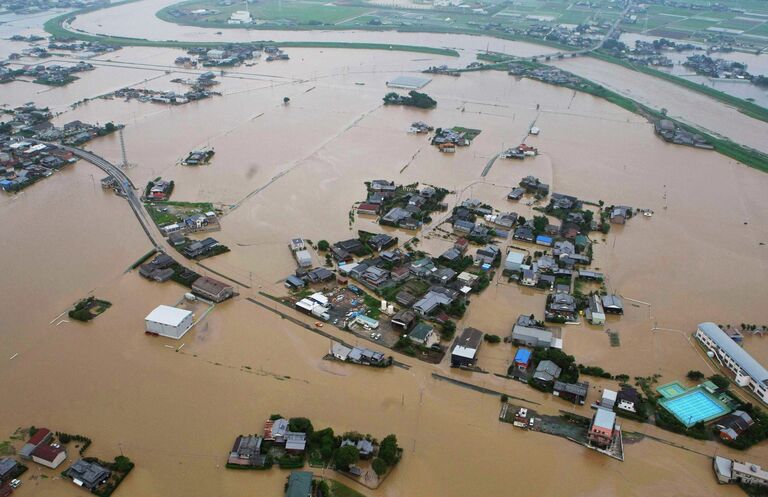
x=741 y=378
x=51 y=464
x=168 y=330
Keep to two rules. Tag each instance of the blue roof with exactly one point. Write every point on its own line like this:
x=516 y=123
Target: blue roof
x=542 y=238
x=523 y=355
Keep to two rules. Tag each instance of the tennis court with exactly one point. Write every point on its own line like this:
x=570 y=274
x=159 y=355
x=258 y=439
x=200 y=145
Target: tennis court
x=671 y=390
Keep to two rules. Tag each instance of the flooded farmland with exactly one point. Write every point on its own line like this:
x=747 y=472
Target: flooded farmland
x=282 y=171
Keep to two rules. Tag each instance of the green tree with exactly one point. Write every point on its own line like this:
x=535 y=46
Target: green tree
x=323 y=245
x=695 y=375
x=449 y=328
x=110 y=127
x=540 y=223
x=345 y=457
x=123 y=464
x=302 y=425
x=379 y=466
x=388 y=450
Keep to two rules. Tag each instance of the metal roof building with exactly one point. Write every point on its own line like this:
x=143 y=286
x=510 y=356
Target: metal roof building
x=169 y=321
x=749 y=373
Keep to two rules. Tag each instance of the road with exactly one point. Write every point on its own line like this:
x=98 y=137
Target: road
x=125 y=188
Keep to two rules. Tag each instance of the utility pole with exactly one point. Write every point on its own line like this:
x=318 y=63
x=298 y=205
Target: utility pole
x=125 y=164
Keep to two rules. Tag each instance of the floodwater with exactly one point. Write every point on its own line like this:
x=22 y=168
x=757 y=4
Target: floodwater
x=283 y=171
x=756 y=64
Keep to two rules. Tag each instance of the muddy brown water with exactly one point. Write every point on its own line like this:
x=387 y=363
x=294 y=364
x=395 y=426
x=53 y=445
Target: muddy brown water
x=295 y=171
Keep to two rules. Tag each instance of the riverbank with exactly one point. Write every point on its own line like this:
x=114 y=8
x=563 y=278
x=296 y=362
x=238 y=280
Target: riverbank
x=57 y=27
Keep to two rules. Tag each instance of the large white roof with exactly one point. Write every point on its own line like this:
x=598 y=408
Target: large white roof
x=739 y=355
x=165 y=314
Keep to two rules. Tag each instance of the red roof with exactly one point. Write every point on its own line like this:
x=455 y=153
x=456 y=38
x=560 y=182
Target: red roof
x=47 y=452
x=39 y=436
x=368 y=207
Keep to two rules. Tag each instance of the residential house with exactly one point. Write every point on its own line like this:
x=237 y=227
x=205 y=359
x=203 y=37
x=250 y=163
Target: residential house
x=532 y=337
x=620 y=214
x=563 y=247
x=534 y=185
x=381 y=241
x=49 y=455
x=399 y=274
x=41 y=437
x=627 y=399
x=547 y=372
x=524 y=233
x=422 y=267
x=397 y=216
x=728 y=471
x=595 y=312
x=88 y=475
x=462 y=226
x=368 y=209
x=405 y=299
x=516 y=194
x=522 y=359
x=295 y=442
x=443 y=275
x=247 y=451
x=432 y=301
x=572 y=392
x=8 y=468
x=364 y=447
x=451 y=255
x=294 y=282
x=198 y=248
x=602 y=429
x=546 y=241
x=561 y=305
x=212 y=289
x=375 y=276
x=462 y=244
x=529 y=277
x=424 y=334
x=275 y=430
x=613 y=304
x=380 y=185
x=404 y=319
x=465 y=347
x=733 y=425
x=487 y=254
x=564 y=202
x=320 y=275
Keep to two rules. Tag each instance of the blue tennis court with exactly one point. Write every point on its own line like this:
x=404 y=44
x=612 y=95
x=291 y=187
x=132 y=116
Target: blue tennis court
x=693 y=406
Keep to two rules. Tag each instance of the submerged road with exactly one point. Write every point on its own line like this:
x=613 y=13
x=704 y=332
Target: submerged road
x=125 y=188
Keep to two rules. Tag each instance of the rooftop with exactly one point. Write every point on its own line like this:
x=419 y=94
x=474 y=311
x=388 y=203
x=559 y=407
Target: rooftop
x=167 y=315
x=741 y=356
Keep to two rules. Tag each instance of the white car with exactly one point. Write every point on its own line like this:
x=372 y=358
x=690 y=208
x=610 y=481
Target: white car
x=15 y=483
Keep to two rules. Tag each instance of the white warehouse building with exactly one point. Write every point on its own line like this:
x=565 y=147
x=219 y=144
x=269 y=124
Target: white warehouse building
x=168 y=321
x=749 y=373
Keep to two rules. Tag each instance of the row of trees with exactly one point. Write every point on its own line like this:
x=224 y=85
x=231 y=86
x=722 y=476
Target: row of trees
x=414 y=99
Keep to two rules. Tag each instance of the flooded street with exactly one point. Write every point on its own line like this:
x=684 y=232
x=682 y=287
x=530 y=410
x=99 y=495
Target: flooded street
x=282 y=171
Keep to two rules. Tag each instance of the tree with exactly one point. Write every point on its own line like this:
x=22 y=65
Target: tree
x=504 y=398
x=721 y=381
x=492 y=338
x=449 y=328
x=345 y=457
x=286 y=100
x=388 y=450
x=695 y=375
x=540 y=223
x=323 y=245
x=302 y=425
x=379 y=466
x=123 y=464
